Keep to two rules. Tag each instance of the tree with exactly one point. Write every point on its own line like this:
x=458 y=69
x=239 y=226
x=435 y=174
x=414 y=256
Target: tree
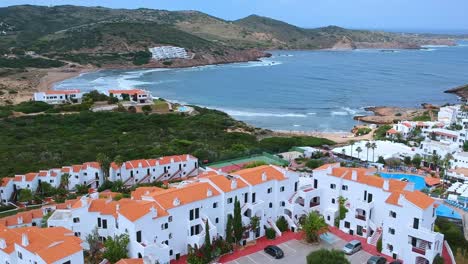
x=282 y=224
x=207 y=244
x=314 y=225
x=351 y=144
x=229 y=230
x=147 y=109
x=116 y=248
x=47 y=190
x=407 y=160
x=65 y=180
x=314 y=163
x=465 y=146
x=373 y=147
x=325 y=256
x=254 y=223
x=132 y=109
x=105 y=162
x=379 y=245
x=416 y=161
x=359 y=150
x=81 y=189
x=94 y=245
x=25 y=195
x=381 y=160
x=368 y=146
x=237 y=222
x=438 y=260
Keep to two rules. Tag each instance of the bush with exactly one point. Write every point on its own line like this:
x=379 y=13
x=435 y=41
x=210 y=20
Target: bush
x=379 y=245
x=325 y=256
x=313 y=163
x=147 y=108
x=282 y=224
x=380 y=133
x=255 y=164
x=270 y=233
x=363 y=131
x=438 y=260
x=32 y=107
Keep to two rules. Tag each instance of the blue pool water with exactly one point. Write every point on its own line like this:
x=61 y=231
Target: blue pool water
x=182 y=109
x=329 y=238
x=446 y=211
x=418 y=181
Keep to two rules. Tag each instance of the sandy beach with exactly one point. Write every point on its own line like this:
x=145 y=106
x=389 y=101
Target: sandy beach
x=338 y=137
x=57 y=75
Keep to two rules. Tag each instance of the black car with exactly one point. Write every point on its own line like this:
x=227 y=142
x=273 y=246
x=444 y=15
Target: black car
x=274 y=251
x=377 y=260
x=396 y=262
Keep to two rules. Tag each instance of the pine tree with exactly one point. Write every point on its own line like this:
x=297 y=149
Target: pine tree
x=207 y=244
x=229 y=238
x=237 y=222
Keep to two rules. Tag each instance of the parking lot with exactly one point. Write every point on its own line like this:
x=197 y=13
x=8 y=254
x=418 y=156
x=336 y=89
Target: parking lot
x=296 y=251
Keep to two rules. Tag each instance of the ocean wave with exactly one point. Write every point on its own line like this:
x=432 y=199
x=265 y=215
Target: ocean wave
x=428 y=49
x=257 y=114
x=311 y=113
x=339 y=113
x=435 y=46
x=262 y=63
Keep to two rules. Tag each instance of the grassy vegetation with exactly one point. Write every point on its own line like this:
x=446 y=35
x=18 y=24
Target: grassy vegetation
x=46 y=141
x=381 y=132
x=424 y=117
x=24 y=107
x=26 y=61
x=454 y=236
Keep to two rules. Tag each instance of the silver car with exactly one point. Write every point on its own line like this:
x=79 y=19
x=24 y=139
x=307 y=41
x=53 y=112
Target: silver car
x=352 y=247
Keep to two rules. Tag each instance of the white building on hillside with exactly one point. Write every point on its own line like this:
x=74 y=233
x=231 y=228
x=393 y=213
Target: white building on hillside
x=377 y=208
x=448 y=114
x=151 y=170
x=40 y=246
x=168 y=52
x=163 y=223
x=429 y=147
x=134 y=95
x=59 y=96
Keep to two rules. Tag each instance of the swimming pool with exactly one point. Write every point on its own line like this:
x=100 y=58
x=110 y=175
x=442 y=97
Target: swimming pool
x=329 y=238
x=418 y=181
x=446 y=211
x=182 y=109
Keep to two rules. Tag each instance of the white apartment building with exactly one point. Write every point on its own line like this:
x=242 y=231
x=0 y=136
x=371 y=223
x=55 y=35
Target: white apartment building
x=28 y=245
x=377 y=207
x=448 y=114
x=163 y=223
x=59 y=96
x=168 y=52
x=134 y=95
x=430 y=147
x=151 y=170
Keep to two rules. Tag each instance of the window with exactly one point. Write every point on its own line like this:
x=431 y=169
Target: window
x=77 y=234
x=315 y=183
x=170 y=235
x=270 y=190
x=217 y=220
x=333 y=186
x=104 y=223
x=138 y=236
x=391 y=231
x=369 y=197
x=67 y=262
x=282 y=204
x=295 y=186
x=76 y=220
x=99 y=222
x=282 y=189
x=389 y=247
x=333 y=200
x=347 y=224
x=344 y=187
x=215 y=205
x=20 y=255
x=270 y=205
x=170 y=218
x=229 y=200
x=246 y=197
x=416 y=223
x=392 y=214
x=164 y=226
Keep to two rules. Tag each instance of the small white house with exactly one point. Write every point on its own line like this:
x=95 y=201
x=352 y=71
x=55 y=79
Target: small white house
x=59 y=96
x=134 y=95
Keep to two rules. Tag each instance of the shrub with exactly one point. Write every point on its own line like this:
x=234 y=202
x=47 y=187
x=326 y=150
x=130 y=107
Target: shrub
x=270 y=233
x=325 y=256
x=147 y=108
x=32 y=107
x=379 y=245
x=282 y=224
x=313 y=163
x=438 y=260
x=255 y=164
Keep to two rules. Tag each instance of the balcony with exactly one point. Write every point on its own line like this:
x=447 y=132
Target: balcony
x=361 y=217
x=418 y=250
x=313 y=204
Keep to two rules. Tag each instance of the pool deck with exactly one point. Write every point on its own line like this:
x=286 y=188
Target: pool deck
x=464 y=218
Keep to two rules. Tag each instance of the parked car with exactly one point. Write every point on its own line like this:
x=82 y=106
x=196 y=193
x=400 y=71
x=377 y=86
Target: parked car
x=396 y=262
x=274 y=251
x=377 y=260
x=352 y=247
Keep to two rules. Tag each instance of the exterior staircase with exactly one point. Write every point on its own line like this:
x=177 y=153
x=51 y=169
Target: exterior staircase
x=273 y=225
x=290 y=222
x=161 y=176
x=147 y=178
x=174 y=175
x=129 y=182
x=292 y=197
x=375 y=237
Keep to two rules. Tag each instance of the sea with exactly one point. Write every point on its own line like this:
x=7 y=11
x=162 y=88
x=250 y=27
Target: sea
x=301 y=90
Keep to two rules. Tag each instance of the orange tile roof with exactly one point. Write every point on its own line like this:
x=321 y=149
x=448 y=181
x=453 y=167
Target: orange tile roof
x=406 y=124
x=393 y=198
x=141 y=191
x=31 y=176
x=392 y=131
x=50 y=244
x=419 y=199
x=326 y=166
x=187 y=194
x=254 y=175
x=130 y=261
x=130 y=92
x=364 y=178
x=134 y=209
x=431 y=181
x=5 y=181
x=223 y=182
x=104 y=206
x=27 y=217
x=445 y=134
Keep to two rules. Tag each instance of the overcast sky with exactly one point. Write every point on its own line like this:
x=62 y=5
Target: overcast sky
x=410 y=15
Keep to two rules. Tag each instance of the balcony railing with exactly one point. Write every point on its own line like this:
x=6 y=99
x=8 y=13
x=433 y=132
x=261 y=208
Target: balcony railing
x=313 y=204
x=418 y=250
x=361 y=217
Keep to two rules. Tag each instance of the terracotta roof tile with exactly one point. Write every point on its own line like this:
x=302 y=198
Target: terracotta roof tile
x=254 y=175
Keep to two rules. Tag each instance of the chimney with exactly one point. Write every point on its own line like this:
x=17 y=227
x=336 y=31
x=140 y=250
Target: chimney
x=209 y=193
x=2 y=243
x=264 y=176
x=20 y=220
x=172 y=160
x=176 y=202
x=386 y=185
x=233 y=184
x=24 y=240
x=354 y=175
x=117 y=207
x=154 y=212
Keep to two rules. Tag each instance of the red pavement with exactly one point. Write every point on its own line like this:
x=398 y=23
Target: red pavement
x=371 y=249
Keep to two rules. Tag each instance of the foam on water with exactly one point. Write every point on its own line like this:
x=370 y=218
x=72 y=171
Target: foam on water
x=258 y=114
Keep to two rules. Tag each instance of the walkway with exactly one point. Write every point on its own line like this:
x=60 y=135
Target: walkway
x=365 y=246
x=464 y=215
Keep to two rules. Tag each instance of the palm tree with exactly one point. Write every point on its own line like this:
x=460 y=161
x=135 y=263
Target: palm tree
x=446 y=164
x=359 y=150
x=314 y=225
x=368 y=145
x=435 y=159
x=373 y=146
x=351 y=144
x=118 y=160
x=104 y=162
x=65 y=180
x=343 y=151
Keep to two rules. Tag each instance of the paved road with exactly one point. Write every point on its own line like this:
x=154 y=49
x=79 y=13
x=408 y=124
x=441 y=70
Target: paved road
x=295 y=252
